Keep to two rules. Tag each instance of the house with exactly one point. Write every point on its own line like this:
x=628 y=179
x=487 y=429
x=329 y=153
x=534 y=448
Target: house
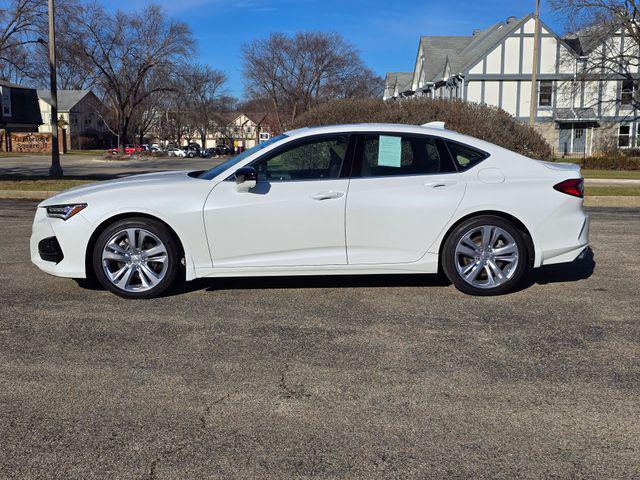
x=79 y=115
x=239 y=130
x=575 y=112
x=20 y=112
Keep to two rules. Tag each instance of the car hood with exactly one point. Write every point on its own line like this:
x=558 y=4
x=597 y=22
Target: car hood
x=83 y=192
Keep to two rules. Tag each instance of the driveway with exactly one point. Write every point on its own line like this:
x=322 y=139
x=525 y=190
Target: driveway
x=98 y=167
x=351 y=377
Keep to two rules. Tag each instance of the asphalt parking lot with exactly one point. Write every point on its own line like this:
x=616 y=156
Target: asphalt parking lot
x=365 y=377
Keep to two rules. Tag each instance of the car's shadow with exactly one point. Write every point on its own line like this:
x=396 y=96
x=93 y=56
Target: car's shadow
x=579 y=269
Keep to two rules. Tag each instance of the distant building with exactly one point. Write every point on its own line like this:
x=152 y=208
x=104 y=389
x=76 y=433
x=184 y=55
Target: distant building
x=576 y=115
x=19 y=112
x=79 y=111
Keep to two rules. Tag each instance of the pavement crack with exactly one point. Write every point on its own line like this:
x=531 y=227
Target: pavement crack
x=180 y=446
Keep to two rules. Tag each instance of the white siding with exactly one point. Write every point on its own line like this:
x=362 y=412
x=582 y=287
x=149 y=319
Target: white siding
x=512 y=55
x=525 y=98
x=530 y=26
x=492 y=93
x=527 y=59
x=474 y=92
x=493 y=60
x=567 y=61
x=548 y=55
x=509 y=96
x=477 y=68
x=610 y=92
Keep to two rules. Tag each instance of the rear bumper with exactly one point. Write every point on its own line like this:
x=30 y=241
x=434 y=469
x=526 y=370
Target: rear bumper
x=568 y=247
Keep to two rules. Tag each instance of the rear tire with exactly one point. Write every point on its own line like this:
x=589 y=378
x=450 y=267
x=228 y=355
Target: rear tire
x=485 y=255
x=136 y=258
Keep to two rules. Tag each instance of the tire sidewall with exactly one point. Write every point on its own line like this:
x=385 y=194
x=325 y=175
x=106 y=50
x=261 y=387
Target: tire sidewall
x=153 y=226
x=448 y=259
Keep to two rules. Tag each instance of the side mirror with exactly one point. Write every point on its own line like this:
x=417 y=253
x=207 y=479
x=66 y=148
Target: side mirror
x=246 y=178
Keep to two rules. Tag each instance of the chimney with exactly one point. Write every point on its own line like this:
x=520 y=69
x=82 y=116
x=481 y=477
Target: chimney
x=511 y=19
x=476 y=32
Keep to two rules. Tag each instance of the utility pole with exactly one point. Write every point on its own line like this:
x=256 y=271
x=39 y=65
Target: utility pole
x=56 y=169
x=534 y=67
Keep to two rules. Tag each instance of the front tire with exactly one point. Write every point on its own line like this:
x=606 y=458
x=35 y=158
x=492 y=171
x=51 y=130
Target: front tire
x=485 y=255
x=136 y=258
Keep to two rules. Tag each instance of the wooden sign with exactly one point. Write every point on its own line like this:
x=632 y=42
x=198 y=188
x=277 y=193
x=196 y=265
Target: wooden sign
x=31 y=142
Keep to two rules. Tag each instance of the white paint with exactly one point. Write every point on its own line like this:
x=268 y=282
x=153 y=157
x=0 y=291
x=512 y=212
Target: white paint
x=492 y=93
x=494 y=60
x=477 y=68
x=474 y=91
x=548 y=55
x=512 y=55
x=509 y=96
x=283 y=232
x=527 y=59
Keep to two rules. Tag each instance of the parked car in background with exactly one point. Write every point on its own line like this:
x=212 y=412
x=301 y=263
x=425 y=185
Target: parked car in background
x=224 y=150
x=128 y=150
x=176 y=152
x=334 y=200
x=208 y=152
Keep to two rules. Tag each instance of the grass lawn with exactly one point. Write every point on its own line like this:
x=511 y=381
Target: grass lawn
x=611 y=174
x=100 y=151
x=609 y=191
x=41 y=185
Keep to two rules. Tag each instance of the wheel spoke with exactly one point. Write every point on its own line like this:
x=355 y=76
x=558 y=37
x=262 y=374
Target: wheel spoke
x=155 y=250
x=510 y=248
x=497 y=271
x=118 y=257
x=464 y=250
x=126 y=278
x=131 y=237
x=153 y=277
x=473 y=272
x=487 y=232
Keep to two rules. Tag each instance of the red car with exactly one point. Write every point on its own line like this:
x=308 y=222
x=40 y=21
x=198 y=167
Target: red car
x=128 y=150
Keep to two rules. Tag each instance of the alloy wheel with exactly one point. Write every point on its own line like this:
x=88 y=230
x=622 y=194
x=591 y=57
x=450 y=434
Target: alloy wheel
x=486 y=256
x=134 y=260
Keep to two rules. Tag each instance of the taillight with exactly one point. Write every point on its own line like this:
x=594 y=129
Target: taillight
x=573 y=187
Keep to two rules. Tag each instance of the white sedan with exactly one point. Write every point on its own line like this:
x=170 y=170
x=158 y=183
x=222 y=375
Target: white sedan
x=353 y=199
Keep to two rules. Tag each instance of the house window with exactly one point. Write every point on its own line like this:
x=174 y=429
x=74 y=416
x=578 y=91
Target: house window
x=579 y=132
x=627 y=92
x=545 y=93
x=624 y=136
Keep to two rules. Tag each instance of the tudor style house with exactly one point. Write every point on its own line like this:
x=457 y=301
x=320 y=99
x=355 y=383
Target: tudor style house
x=576 y=113
x=79 y=112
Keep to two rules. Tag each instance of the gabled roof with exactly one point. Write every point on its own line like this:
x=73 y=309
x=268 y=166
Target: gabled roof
x=396 y=83
x=67 y=99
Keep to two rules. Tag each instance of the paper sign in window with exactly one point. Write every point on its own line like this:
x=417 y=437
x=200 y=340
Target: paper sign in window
x=389 y=151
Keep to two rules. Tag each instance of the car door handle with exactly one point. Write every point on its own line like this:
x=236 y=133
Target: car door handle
x=327 y=195
x=441 y=184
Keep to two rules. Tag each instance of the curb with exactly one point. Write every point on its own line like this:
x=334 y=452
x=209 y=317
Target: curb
x=589 y=201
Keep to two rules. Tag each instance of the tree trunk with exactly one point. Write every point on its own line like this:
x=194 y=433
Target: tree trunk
x=203 y=139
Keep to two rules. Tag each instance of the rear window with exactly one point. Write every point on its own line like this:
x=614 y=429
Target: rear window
x=464 y=156
x=392 y=155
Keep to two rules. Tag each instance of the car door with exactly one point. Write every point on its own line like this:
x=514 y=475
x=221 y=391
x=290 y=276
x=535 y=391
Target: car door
x=294 y=216
x=403 y=191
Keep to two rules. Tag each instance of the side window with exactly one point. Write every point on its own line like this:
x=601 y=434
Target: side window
x=319 y=159
x=392 y=155
x=465 y=157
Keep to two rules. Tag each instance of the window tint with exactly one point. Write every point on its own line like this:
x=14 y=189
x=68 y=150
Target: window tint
x=313 y=160
x=385 y=155
x=464 y=156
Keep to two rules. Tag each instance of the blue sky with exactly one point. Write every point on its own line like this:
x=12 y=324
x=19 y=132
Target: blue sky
x=385 y=31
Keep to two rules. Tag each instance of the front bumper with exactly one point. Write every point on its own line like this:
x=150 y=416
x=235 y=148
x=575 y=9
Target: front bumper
x=72 y=237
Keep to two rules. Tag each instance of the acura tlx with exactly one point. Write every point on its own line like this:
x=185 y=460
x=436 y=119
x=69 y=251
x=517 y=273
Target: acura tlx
x=349 y=199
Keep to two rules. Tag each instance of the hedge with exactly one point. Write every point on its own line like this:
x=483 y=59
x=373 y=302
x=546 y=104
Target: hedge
x=481 y=121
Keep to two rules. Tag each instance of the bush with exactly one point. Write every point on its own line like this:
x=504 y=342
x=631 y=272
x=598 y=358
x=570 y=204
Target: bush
x=487 y=123
x=611 y=162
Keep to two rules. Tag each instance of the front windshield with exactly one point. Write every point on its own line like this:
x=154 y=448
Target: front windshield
x=215 y=171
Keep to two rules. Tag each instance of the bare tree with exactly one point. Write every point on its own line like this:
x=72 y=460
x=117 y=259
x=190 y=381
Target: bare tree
x=594 y=26
x=296 y=73
x=126 y=50
x=201 y=94
x=20 y=30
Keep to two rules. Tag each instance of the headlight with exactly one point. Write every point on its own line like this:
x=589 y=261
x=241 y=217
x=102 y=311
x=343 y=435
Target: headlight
x=64 y=212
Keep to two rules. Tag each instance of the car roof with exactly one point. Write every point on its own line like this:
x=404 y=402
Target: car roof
x=435 y=130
